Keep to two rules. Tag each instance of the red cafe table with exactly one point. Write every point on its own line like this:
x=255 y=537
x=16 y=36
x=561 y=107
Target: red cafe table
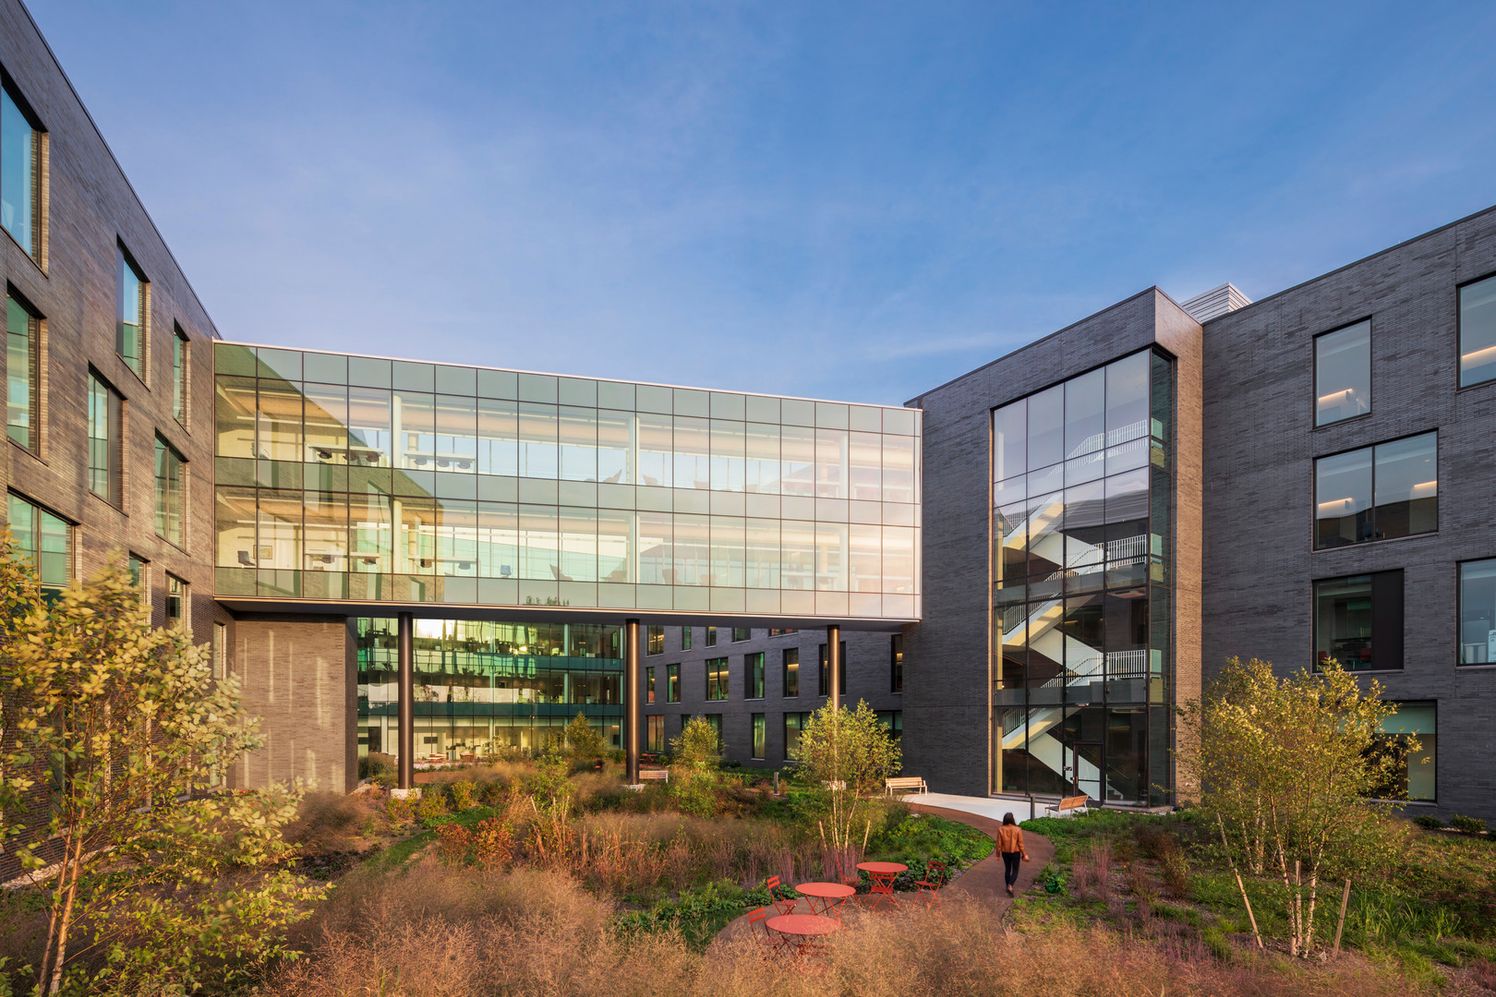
x=830 y=895
x=882 y=874
x=802 y=930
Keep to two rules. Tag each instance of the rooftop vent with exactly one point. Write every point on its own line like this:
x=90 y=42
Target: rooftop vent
x=1215 y=302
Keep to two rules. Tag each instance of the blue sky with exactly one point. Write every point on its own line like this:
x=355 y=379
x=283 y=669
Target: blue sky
x=855 y=201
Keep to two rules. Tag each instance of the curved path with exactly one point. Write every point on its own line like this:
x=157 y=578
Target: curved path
x=982 y=881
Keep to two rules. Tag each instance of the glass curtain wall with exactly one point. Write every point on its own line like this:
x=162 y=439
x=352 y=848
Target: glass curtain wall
x=483 y=688
x=360 y=478
x=1081 y=534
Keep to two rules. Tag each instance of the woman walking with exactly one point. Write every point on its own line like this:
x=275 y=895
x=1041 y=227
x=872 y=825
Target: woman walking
x=1010 y=844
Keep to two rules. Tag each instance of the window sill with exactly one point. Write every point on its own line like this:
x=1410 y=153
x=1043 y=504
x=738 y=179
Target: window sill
x=1478 y=666
x=1344 y=422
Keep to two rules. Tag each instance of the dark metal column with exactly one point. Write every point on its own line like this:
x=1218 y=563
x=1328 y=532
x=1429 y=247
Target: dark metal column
x=407 y=708
x=833 y=664
x=631 y=715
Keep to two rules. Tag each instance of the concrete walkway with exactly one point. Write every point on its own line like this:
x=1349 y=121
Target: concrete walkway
x=991 y=807
x=982 y=881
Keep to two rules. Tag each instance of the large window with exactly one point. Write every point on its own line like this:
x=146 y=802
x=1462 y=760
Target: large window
x=140 y=575
x=649 y=685
x=1414 y=776
x=1358 y=621
x=1377 y=493
x=896 y=663
x=43 y=538
x=753 y=672
x=105 y=456
x=179 y=360
x=1478 y=332
x=716 y=678
x=20 y=174
x=22 y=374
x=1082 y=487
x=1342 y=373
x=672 y=683
x=790 y=670
x=656 y=641
x=654 y=739
x=132 y=298
x=171 y=493
x=759 y=728
x=686 y=634
x=1478 y=612
x=794 y=723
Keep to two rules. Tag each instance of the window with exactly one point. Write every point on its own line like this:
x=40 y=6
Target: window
x=1478 y=332
x=1415 y=770
x=1358 y=621
x=782 y=631
x=791 y=671
x=672 y=683
x=1377 y=493
x=686 y=634
x=715 y=719
x=43 y=538
x=822 y=678
x=23 y=380
x=655 y=641
x=178 y=603
x=140 y=576
x=21 y=174
x=794 y=723
x=132 y=296
x=896 y=663
x=1342 y=373
x=104 y=453
x=716 y=678
x=654 y=733
x=171 y=492
x=711 y=636
x=758 y=736
x=179 y=354
x=740 y=634
x=649 y=685
x=1478 y=612
x=220 y=650
x=753 y=670
x=893 y=722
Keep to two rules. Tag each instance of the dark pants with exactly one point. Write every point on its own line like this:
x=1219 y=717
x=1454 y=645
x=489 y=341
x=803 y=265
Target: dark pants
x=1010 y=867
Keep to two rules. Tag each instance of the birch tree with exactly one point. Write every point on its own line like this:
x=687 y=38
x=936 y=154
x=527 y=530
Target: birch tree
x=850 y=753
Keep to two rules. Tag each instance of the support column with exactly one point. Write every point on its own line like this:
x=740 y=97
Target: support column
x=833 y=664
x=631 y=702
x=407 y=708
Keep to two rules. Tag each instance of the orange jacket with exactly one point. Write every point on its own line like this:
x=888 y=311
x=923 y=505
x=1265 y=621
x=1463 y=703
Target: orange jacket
x=1009 y=838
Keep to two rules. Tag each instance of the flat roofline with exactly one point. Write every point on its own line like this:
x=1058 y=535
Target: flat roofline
x=47 y=47
x=1155 y=289
x=1355 y=263
x=575 y=377
x=257 y=606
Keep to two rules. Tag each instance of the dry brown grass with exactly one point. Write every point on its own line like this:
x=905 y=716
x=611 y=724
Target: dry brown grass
x=334 y=822
x=437 y=930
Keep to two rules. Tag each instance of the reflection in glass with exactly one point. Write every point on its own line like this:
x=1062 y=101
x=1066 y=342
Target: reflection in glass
x=1342 y=373
x=1478 y=612
x=1478 y=332
x=1342 y=497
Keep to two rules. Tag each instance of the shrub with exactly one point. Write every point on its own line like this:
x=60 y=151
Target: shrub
x=493 y=842
x=464 y=795
x=400 y=810
x=332 y=822
x=431 y=805
x=453 y=842
x=1091 y=873
x=1470 y=825
x=378 y=768
x=1429 y=822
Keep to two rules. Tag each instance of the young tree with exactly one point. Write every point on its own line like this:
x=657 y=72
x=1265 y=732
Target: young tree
x=851 y=753
x=1286 y=768
x=694 y=774
x=584 y=742
x=113 y=730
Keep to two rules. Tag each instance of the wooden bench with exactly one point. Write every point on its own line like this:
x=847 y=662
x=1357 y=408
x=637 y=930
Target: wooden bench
x=1068 y=804
x=905 y=784
x=654 y=775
